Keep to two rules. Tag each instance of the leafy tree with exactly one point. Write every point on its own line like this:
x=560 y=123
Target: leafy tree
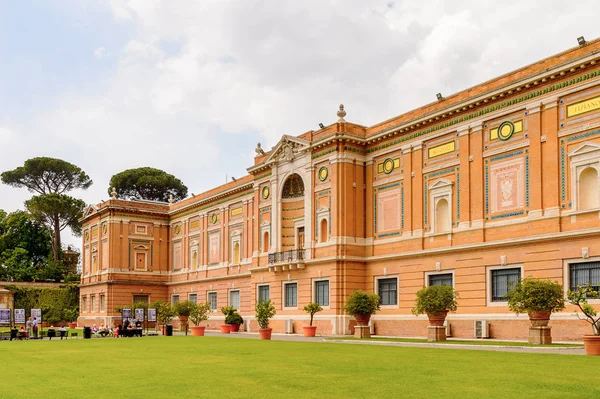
x=19 y=230
x=147 y=184
x=17 y=265
x=45 y=175
x=51 y=178
x=56 y=211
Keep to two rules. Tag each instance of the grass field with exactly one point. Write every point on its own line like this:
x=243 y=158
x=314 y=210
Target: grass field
x=456 y=342
x=214 y=367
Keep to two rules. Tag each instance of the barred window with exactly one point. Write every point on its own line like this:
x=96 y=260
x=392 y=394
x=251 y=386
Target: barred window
x=502 y=281
x=193 y=298
x=440 y=279
x=388 y=291
x=291 y=295
x=212 y=298
x=263 y=293
x=583 y=273
x=234 y=299
x=322 y=292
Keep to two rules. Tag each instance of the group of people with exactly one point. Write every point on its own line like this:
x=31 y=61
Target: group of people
x=30 y=330
x=31 y=325
x=128 y=329
x=103 y=331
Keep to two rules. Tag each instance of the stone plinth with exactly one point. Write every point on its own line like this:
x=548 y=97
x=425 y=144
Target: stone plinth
x=540 y=335
x=436 y=333
x=362 y=331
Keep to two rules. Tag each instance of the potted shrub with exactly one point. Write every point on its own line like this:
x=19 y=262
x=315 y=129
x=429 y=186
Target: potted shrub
x=71 y=315
x=311 y=309
x=234 y=320
x=538 y=298
x=197 y=316
x=227 y=311
x=579 y=298
x=362 y=305
x=435 y=301
x=264 y=311
x=183 y=310
x=164 y=313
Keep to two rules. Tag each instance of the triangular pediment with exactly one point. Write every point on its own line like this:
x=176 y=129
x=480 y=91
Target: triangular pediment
x=287 y=149
x=585 y=148
x=440 y=183
x=89 y=210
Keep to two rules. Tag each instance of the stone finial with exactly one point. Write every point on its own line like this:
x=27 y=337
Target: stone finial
x=113 y=193
x=171 y=200
x=341 y=113
x=259 y=150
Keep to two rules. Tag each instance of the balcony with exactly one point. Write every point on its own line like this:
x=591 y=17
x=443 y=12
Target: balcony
x=286 y=260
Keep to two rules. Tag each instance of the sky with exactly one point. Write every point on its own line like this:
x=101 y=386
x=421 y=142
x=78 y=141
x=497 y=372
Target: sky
x=190 y=86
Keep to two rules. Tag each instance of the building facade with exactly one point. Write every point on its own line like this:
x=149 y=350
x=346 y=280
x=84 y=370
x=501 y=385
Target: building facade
x=478 y=189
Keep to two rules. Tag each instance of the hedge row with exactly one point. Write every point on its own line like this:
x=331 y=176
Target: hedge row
x=57 y=304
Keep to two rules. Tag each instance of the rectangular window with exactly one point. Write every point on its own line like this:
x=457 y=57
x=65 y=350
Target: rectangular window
x=84 y=304
x=291 y=295
x=193 y=298
x=388 y=291
x=583 y=273
x=234 y=299
x=174 y=299
x=102 y=303
x=502 y=281
x=212 y=298
x=93 y=301
x=263 y=293
x=140 y=298
x=322 y=292
x=440 y=279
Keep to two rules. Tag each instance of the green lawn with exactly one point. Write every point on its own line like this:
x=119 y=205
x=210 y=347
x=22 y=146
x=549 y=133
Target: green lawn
x=213 y=367
x=458 y=342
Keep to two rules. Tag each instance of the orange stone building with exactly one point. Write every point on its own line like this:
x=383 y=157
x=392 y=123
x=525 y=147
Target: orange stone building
x=497 y=182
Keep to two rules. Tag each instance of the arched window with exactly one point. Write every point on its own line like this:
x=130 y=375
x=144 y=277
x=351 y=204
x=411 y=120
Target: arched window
x=442 y=216
x=324 y=230
x=293 y=187
x=266 y=242
x=588 y=189
x=195 y=260
x=236 y=253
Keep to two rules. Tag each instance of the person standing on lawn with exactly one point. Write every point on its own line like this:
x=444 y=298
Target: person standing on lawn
x=28 y=326
x=34 y=326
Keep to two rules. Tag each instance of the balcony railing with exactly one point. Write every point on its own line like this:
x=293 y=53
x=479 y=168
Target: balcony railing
x=289 y=256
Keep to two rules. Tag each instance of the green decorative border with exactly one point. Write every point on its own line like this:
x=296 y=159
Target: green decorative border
x=387 y=170
x=323 y=153
x=323 y=169
x=485 y=111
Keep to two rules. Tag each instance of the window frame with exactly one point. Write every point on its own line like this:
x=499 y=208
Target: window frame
x=258 y=287
x=173 y=296
x=195 y=294
x=102 y=303
x=567 y=274
x=429 y=274
x=84 y=303
x=229 y=292
x=216 y=304
x=389 y=277
x=284 y=295
x=92 y=303
x=488 y=285
x=314 y=291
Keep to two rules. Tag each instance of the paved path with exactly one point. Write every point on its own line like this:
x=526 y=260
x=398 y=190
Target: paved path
x=342 y=339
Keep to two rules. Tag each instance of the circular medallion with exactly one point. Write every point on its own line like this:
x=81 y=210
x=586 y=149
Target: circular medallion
x=104 y=228
x=506 y=130
x=177 y=229
x=388 y=165
x=323 y=173
x=265 y=192
x=214 y=218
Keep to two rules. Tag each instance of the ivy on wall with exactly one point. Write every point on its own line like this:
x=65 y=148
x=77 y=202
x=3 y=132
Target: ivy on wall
x=57 y=304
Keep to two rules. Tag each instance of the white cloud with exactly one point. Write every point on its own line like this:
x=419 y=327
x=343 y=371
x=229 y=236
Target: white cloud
x=5 y=133
x=101 y=52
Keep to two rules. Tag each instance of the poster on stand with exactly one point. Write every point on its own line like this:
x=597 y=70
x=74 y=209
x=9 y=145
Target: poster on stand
x=19 y=316
x=37 y=313
x=127 y=314
x=151 y=314
x=4 y=317
x=139 y=315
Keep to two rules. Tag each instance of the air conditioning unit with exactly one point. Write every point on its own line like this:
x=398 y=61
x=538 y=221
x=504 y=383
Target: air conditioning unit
x=372 y=327
x=447 y=325
x=289 y=327
x=481 y=329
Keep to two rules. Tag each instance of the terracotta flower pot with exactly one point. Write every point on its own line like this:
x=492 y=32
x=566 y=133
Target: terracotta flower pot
x=309 y=331
x=265 y=333
x=539 y=318
x=437 y=319
x=362 y=319
x=592 y=345
x=197 y=331
x=234 y=327
x=73 y=324
x=225 y=328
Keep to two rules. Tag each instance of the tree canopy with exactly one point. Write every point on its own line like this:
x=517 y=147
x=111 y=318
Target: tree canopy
x=56 y=211
x=147 y=184
x=45 y=175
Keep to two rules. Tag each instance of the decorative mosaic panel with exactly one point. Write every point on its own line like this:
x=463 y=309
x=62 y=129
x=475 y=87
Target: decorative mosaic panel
x=389 y=210
x=507 y=184
x=583 y=107
x=214 y=247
